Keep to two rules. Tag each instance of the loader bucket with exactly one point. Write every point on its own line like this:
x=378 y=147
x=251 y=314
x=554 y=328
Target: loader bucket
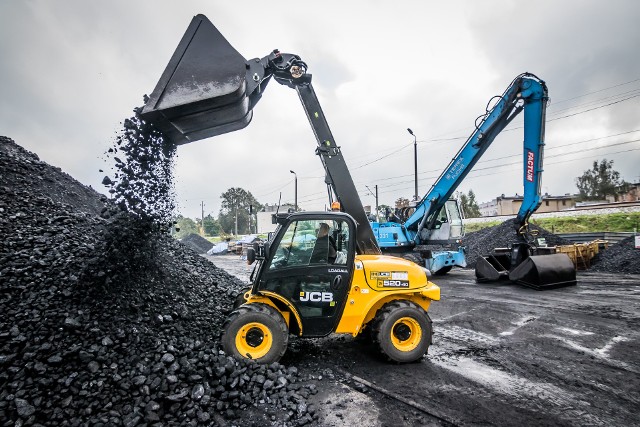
x=202 y=91
x=493 y=267
x=542 y=272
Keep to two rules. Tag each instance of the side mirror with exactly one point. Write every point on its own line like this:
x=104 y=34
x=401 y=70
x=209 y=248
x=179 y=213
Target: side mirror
x=266 y=247
x=251 y=256
x=258 y=251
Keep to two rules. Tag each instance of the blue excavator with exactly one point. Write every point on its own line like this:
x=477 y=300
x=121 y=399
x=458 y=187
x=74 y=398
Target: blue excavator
x=436 y=220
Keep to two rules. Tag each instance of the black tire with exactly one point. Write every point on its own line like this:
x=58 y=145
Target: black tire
x=240 y=298
x=402 y=331
x=414 y=258
x=443 y=270
x=255 y=331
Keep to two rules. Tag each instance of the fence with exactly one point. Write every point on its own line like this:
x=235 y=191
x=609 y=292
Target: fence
x=610 y=236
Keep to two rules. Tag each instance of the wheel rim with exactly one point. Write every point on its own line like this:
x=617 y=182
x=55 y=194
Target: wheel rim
x=406 y=334
x=254 y=340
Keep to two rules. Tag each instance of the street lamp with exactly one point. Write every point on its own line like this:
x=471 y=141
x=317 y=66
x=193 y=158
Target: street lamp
x=296 y=190
x=415 y=162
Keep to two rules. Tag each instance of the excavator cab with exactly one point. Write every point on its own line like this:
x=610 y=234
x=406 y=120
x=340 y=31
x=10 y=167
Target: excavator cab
x=310 y=265
x=310 y=281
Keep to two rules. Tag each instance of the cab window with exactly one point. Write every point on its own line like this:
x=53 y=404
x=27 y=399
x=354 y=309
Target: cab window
x=312 y=242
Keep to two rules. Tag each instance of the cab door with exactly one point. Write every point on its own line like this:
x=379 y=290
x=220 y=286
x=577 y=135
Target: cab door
x=317 y=286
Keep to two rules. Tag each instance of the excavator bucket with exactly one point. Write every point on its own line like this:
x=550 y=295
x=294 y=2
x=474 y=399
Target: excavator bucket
x=542 y=272
x=493 y=267
x=538 y=268
x=202 y=92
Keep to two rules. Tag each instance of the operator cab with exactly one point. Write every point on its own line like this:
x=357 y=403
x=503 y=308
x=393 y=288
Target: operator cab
x=309 y=262
x=447 y=226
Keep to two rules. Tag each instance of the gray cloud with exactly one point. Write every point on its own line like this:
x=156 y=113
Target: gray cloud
x=72 y=70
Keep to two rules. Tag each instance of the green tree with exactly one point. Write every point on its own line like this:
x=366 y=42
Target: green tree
x=402 y=202
x=600 y=181
x=470 y=205
x=184 y=227
x=211 y=226
x=234 y=214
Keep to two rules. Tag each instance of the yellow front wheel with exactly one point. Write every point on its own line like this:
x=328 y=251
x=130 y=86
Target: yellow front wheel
x=406 y=334
x=254 y=339
x=255 y=331
x=402 y=331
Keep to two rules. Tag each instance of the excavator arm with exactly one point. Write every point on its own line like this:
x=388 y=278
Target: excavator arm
x=289 y=70
x=527 y=92
x=209 y=89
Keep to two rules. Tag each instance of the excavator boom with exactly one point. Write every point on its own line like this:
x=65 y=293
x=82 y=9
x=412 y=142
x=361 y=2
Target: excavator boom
x=209 y=89
x=526 y=92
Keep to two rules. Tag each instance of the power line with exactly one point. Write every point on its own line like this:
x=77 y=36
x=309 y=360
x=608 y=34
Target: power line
x=596 y=91
x=473 y=174
x=592 y=109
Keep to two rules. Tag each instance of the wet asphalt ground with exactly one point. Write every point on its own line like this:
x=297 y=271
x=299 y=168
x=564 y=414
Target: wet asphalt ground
x=502 y=355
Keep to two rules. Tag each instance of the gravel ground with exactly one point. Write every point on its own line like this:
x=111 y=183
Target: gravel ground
x=503 y=355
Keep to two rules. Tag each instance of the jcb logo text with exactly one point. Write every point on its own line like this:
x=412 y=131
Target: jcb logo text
x=316 y=296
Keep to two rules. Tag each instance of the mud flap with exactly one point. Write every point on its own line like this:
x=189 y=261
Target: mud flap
x=202 y=92
x=542 y=272
x=492 y=268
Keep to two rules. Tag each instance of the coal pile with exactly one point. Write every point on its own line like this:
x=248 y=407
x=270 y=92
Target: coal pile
x=621 y=257
x=482 y=242
x=109 y=321
x=197 y=243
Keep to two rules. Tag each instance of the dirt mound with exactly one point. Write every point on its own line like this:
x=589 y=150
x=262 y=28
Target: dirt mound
x=197 y=243
x=107 y=320
x=622 y=257
x=482 y=242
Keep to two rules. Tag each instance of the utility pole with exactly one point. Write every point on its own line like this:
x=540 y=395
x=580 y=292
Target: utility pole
x=202 y=218
x=235 y=203
x=377 y=213
x=296 y=190
x=415 y=163
x=376 y=196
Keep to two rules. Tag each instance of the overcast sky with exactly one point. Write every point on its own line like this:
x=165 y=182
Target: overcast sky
x=71 y=71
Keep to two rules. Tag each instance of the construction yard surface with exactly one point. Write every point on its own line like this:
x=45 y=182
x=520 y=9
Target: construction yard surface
x=502 y=355
x=107 y=320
